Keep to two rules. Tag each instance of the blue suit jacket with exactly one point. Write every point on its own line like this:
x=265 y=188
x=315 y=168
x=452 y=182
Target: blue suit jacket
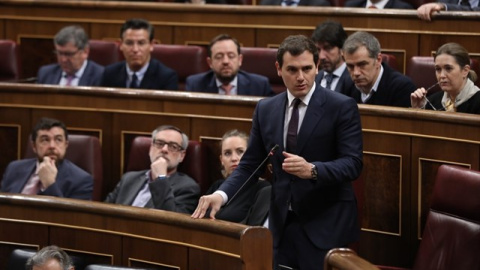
x=71 y=181
x=390 y=4
x=331 y=138
x=51 y=74
x=452 y=5
x=394 y=89
x=248 y=84
x=344 y=84
x=158 y=76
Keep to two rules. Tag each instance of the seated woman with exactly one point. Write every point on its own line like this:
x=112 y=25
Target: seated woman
x=250 y=206
x=459 y=94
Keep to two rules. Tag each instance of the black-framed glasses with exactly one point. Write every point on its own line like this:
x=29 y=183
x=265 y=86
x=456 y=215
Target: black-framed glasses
x=66 y=54
x=172 y=146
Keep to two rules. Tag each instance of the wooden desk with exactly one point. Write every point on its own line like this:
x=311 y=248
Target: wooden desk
x=130 y=236
x=402 y=147
x=33 y=23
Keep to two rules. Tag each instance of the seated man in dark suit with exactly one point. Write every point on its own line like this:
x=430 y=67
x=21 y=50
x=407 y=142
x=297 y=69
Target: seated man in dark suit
x=48 y=174
x=379 y=4
x=50 y=258
x=294 y=3
x=161 y=187
x=375 y=82
x=225 y=76
x=139 y=70
x=329 y=38
x=426 y=10
x=73 y=67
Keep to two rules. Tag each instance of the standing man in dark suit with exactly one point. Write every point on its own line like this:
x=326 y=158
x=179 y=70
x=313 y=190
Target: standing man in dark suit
x=329 y=38
x=161 y=187
x=73 y=67
x=375 y=82
x=139 y=70
x=48 y=174
x=426 y=10
x=225 y=76
x=313 y=207
x=379 y=4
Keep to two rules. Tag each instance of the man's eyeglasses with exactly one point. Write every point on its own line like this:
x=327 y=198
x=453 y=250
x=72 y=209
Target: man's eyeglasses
x=172 y=146
x=66 y=54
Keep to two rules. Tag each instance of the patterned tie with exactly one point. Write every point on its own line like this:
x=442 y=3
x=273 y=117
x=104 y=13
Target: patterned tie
x=69 y=80
x=33 y=185
x=134 y=82
x=329 y=78
x=293 y=128
x=450 y=106
x=227 y=88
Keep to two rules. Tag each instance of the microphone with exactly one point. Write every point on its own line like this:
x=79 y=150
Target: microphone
x=254 y=172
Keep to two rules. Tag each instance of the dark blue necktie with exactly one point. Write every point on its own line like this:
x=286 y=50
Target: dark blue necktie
x=134 y=82
x=329 y=78
x=465 y=3
x=293 y=128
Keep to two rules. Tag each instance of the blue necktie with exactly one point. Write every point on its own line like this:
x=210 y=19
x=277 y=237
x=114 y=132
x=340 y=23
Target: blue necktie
x=134 y=82
x=329 y=79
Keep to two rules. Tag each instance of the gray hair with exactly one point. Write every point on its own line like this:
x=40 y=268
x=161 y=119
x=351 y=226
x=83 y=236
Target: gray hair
x=47 y=253
x=362 y=39
x=170 y=127
x=74 y=34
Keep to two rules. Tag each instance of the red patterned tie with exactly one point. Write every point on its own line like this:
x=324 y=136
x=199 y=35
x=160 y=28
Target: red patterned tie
x=33 y=185
x=227 y=88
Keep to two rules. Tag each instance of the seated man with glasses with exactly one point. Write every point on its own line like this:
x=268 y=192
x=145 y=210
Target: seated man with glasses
x=139 y=70
x=73 y=67
x=161 y=187
x=50 y=173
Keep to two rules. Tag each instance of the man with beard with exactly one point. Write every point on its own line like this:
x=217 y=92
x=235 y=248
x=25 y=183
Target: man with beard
x=329 y=38
x=139 y=70
x=48 y=174
x=375 y=82
x=73 y=67
x=225 y=76
x=161 y=187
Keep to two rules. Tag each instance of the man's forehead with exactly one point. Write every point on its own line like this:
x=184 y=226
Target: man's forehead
x=51 y=131
x=169 y=135
x=224 y=45
x=298 y=61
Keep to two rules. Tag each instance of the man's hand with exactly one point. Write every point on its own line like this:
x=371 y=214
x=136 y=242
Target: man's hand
x=425 y=11
x=213 y=201
x=297 y=166
x=159 y=167
x=47 y=172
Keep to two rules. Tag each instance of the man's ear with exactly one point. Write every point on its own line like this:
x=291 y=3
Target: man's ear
x=279 y=69
x=209 y=62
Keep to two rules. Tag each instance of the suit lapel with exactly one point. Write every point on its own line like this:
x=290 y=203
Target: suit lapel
x=243 y=84
x=314 y=113
x=24 y=174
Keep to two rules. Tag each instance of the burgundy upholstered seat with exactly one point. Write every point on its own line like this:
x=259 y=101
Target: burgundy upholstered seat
x=10 y=68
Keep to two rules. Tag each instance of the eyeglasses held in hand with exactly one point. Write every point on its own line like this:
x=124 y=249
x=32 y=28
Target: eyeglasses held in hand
x=172 y=146
x=426 y=92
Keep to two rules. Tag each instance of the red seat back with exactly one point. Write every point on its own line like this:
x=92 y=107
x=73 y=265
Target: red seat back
x=10 y=68
x=104 y=52
x=262 y=61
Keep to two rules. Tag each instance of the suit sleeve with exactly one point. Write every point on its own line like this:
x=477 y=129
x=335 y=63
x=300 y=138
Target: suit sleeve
x=81 y=189
x=183 y=199
x=171 y=81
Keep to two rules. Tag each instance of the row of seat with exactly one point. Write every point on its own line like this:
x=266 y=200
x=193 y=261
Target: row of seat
x=188 y=60
x=85 y=151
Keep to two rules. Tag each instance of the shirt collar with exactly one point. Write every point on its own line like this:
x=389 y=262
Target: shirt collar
x=305 y=100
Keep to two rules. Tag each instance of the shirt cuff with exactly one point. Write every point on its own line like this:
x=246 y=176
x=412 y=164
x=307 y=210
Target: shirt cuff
x=224 y=196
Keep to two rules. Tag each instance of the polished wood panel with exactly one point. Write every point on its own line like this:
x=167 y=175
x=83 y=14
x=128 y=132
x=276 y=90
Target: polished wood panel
x=131 y=236
x=402 y=147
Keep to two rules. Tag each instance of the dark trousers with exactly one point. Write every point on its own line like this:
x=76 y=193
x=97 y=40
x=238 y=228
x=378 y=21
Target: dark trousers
x=296 y=251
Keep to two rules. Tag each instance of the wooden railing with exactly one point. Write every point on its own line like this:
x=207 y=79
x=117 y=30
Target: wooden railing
x=402 y=147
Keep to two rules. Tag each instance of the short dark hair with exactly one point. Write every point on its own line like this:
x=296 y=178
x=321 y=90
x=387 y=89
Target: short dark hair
x=220 y=38
x=75 y=34
x=137 y=24
x=47 y=253
x=170 y=127
x=46 y=124
x=296 y=45
x=331 y=32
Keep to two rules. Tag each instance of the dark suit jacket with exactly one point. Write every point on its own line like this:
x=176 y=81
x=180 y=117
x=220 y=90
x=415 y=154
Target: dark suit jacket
x=51 y=74
x=394 y=89
x=178 y=193
x=390 y=4
x=158 y=76
x=323 y=3
x=248 y=84
x=344 y=84
x=331 y=138
x=452 y=5
x=472 y=105
x=71 y=181
x=249 y=207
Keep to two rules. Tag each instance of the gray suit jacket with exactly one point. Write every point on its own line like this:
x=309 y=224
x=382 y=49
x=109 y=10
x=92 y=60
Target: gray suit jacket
x=51 y=74
x=178 y=193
